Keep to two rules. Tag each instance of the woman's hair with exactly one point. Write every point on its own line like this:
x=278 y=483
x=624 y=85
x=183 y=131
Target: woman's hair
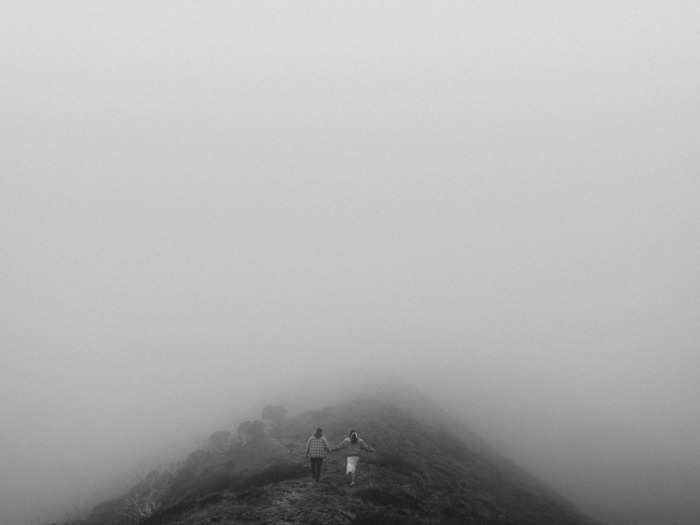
x=353 y=436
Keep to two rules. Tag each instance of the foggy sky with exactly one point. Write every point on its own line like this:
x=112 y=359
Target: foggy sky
x=208 y=206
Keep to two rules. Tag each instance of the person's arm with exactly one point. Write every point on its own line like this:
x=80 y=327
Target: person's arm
x=365 y=446
x=308 y=445
x=340 y=445
x=326 y=445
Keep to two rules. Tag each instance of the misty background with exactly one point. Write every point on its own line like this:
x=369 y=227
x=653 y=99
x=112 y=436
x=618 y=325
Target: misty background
x=209 y=206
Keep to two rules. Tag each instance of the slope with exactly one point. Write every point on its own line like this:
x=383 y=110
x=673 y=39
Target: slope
x=427 y=469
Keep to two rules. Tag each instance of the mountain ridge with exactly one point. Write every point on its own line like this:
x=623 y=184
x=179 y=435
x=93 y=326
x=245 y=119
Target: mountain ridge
x=428 y=469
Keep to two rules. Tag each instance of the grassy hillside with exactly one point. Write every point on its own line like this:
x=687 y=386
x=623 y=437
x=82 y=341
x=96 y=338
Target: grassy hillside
x=426 y=469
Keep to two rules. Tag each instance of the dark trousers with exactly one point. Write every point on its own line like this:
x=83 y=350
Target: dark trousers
x=316 y=467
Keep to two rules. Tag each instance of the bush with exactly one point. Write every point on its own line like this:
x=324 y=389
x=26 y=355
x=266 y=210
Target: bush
x=220 y=441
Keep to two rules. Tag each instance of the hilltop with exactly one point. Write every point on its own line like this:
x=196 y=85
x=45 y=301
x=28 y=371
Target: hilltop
x=427 y=469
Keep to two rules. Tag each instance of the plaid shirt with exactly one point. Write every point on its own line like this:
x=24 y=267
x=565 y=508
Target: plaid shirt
x=317 y=447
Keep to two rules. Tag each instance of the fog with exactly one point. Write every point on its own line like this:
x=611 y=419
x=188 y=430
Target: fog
x=207 y=207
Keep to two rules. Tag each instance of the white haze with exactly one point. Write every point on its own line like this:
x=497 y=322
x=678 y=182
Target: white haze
x=208 y=206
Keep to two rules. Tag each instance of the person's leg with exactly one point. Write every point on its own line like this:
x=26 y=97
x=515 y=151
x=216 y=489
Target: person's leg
x=352 y=468
x=313 y=462
x=317 y=470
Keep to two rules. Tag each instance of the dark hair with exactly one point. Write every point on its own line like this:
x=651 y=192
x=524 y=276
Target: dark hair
x=353 y=436
x=319 y=430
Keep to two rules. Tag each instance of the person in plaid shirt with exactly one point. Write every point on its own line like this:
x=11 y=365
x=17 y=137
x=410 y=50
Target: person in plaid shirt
x=316 y=450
